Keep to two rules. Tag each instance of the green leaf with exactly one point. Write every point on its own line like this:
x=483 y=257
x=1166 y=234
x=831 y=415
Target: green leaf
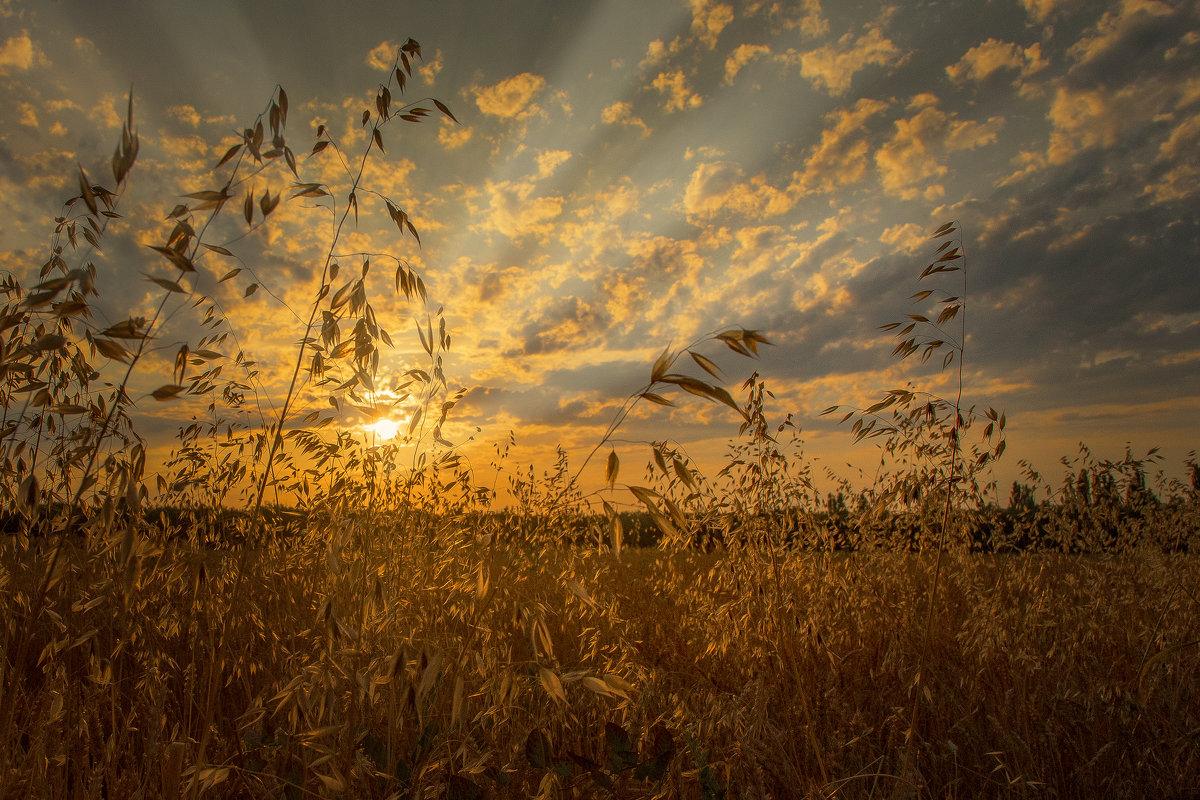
x=659 y=754
x=463 y=789
x=537 y=749
x=621 y=754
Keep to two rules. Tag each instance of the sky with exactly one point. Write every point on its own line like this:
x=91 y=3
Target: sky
x=629 y=176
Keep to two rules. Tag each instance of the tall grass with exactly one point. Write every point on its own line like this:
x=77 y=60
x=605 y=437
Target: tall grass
x=287 y=609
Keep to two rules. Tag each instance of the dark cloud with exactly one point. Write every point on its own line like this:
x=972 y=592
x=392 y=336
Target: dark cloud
x=564 y=324
x=1128 y=46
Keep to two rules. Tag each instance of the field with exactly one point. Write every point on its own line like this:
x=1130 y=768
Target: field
x=363 y=661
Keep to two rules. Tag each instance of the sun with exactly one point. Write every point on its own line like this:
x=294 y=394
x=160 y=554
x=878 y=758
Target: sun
x=384 y=429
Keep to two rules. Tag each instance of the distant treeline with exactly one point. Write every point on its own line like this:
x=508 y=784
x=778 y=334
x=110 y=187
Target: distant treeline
x=1091 y=514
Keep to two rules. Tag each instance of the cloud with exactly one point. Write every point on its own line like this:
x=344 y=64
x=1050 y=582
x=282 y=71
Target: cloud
x=663 y=272
x=1132 y=75
x=910 y=158
x=382 y=56
x=429 y=71
x=17 y=53
x=516 y=213
x=1088 y=118
x=717 y=187
x=452 y=136
x=621 y=113
x=28 y=116
x=805 y=15
x=674 y=86
x=105 y=111
x=60 y=105
x=841 y=157
x=907 y=236
x=185 y=114
x=742 y=55
x=656 y=53
x=510 y=98
x=991 y=56
x=550 y=160
x=833 y=66
x=1176 y=154
x=708 y=20
x=1040 y=10
x=567 y=323
x=1124 y=29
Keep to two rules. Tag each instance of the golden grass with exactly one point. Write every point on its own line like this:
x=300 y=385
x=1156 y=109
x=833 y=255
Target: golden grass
x=406 y=663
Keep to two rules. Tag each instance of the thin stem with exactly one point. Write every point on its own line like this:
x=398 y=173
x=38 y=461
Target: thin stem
x=941 y=542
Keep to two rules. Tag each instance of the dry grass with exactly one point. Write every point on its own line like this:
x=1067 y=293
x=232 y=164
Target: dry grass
x=390 y=661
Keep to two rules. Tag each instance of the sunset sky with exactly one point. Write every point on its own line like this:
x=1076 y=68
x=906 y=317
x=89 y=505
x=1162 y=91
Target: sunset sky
x=632 y=175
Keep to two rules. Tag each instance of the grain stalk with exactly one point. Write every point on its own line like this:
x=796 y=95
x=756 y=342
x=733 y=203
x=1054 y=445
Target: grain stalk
x=666 y=514
x=917 y=415
x=405 y=279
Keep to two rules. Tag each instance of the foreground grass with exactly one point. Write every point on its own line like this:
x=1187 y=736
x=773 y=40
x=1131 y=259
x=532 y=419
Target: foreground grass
x=437 y=663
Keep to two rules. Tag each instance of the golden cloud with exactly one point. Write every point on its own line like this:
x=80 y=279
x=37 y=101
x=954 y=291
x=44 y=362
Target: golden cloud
x=742 y=55
x=1114 y=25
x=516 y=213
x=993 y=55
x=621 y=113
x=550 y=160
x=708 y=20
x=185 y=114
x=833 y=66
x=85 y=45
x=1039 y=10
x=510 y=98
x=656 y=52
x=1081 y=119
x=382 y=56
x=679 y=95
x=452 y=136
x=908 y=236
x=909 y=158
x=717 y=186
x=61 y=105
x=16 y=53
x=429 y=71
x=841 y=157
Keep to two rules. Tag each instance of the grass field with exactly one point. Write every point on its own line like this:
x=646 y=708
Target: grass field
x=364 y=662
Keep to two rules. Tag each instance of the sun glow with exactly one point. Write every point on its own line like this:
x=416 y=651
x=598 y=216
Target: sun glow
x=384 y=429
